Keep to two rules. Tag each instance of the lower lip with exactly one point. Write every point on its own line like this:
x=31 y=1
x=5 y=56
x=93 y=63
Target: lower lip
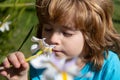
x=58 y=52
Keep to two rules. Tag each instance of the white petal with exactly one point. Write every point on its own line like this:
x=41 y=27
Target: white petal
x=39 y=62
x=2 y=29
x=35 y=39
x=5 y=26
x=34 y=48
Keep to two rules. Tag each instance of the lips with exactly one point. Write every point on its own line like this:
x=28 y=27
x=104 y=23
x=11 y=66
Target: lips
x=56 y=50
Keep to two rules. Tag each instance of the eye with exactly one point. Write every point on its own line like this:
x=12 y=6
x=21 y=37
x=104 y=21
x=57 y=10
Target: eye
x=48 y=29
x=67 y=34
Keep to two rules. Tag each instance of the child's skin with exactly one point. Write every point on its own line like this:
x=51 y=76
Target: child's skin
x=68 y=43
x=19 y=71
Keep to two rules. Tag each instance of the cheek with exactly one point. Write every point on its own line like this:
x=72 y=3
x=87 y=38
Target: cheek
x=76 y=47
x=79 y=48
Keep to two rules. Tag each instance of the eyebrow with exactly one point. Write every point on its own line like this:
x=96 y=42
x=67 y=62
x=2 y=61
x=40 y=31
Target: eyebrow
x=65 y=27
x=69 y=28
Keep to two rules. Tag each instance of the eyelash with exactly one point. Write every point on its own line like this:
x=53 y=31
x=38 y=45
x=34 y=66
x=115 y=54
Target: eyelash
x=49 y=30
x=67 y=34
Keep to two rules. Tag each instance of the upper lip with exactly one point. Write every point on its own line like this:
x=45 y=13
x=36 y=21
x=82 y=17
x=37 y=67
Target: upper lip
x=55 y=50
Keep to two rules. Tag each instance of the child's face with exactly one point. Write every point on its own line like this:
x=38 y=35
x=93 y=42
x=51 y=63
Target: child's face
x=68 y=41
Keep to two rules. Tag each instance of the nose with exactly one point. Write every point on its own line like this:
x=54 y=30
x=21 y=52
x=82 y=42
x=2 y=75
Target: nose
x=55 y=38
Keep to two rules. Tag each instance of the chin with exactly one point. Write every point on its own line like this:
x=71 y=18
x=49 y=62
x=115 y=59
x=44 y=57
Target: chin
x=60 y=55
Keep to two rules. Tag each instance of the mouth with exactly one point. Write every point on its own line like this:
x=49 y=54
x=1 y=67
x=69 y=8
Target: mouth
x=59 y=53
x=56 y=51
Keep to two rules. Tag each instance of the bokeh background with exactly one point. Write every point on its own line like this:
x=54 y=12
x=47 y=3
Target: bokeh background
x=21 y=15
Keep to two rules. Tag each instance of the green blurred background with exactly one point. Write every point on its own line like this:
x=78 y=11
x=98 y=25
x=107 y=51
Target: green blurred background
x=22 y=16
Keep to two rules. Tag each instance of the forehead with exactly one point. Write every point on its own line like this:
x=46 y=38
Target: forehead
x=55 y=25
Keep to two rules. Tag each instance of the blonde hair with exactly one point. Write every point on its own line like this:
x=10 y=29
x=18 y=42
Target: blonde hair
x=92 y=17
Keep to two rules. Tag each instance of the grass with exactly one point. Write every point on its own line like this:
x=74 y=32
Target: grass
x=23 y=18
x=116 y=16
